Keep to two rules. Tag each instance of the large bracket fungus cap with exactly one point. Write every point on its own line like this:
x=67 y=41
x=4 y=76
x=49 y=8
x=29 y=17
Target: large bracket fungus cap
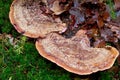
x=30 y=19
x=75 y=54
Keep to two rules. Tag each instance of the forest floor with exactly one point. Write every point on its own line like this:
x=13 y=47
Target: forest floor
x=19 y=59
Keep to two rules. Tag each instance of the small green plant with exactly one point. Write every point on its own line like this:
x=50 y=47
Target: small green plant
x=19 y=47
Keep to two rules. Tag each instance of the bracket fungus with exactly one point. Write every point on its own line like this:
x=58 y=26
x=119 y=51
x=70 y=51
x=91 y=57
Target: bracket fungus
x=29 y=18
x=75 y=54
x=64 y=29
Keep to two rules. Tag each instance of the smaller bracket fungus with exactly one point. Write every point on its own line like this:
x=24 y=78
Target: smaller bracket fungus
x=29 y=17
x=58 y=8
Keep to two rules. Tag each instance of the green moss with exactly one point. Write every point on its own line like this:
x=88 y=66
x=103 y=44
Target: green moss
x=26 y=64
x=5 y=25
x=106 y=75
